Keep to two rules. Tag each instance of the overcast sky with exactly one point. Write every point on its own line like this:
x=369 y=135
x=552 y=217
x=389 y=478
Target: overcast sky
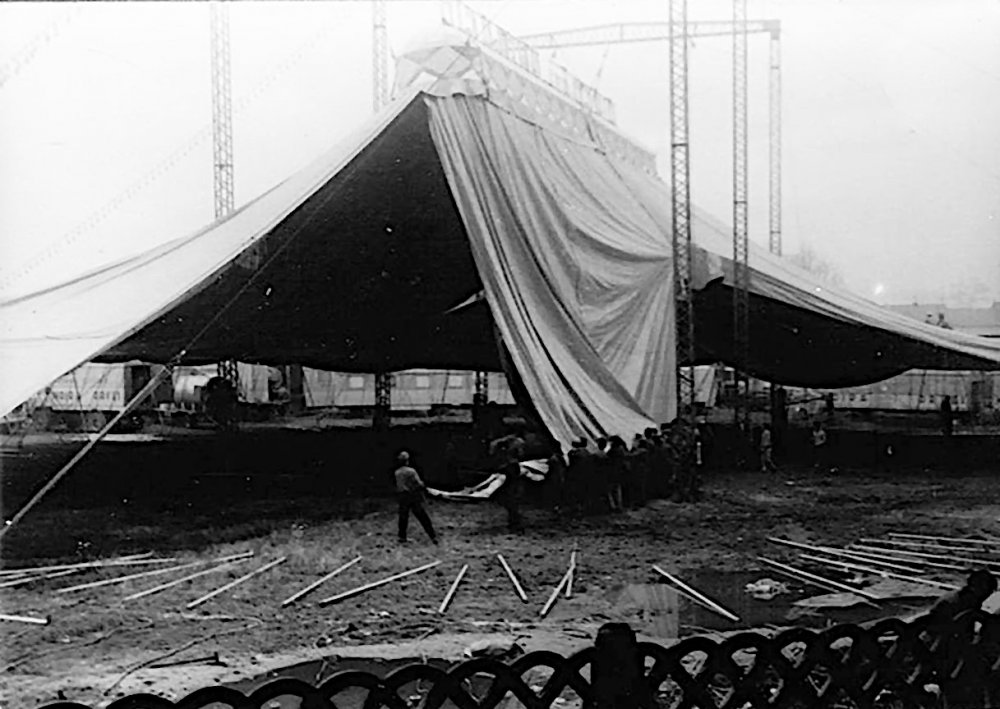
x=891 y=122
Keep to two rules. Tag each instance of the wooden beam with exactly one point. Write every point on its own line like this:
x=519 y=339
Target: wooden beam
x=245 y=577
x=24 y=619
x=88 y=565
x=316 y=584
x=892 y=562
x=189 y=577
x=376 y=584
x=451 y=591
x=20 y=581
x=879 y=572
x=935 y=557
x=697 y=595
x=929 y=546
x=555 y=593
x=154 y=572
x=572 y=574
x=818 y=580
x=513 y=579
x=956 y=540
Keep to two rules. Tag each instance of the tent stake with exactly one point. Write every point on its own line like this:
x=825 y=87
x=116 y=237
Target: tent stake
x=368 y=587
x=316 y=584
x=451 y=591
x=245 y=577
x=513 y=578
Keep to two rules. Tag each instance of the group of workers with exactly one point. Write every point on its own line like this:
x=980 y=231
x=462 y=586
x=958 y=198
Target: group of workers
x=607 y=476
x=611 y=475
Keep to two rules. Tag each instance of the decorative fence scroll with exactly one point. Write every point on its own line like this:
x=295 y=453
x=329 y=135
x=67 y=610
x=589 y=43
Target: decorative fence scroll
x=886 y=665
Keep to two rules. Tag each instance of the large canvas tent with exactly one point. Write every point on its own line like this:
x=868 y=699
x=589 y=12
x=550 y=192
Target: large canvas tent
x=473 y=180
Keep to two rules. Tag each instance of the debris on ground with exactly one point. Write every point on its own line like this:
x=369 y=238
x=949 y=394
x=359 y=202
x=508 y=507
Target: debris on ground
x=765 y=589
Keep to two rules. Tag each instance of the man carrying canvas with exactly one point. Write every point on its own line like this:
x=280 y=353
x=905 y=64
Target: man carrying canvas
x=410 y=493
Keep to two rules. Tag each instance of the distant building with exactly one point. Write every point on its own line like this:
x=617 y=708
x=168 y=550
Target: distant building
x=924 y=390
x=975 y=321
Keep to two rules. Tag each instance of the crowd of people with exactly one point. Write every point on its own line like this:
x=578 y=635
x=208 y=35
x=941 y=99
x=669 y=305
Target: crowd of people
x=609 y=475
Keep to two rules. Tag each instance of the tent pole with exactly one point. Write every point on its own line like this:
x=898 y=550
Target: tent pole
x=127 y=409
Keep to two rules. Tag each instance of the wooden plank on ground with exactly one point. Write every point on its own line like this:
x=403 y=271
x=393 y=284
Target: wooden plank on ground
x=23 y=619
x=90 y=565
x=513 y=579
x=176 y=582
x=821 y=581
x=245 y=577
x=697 y=595
x=154 y=572
x=375 y=584
x=316 y=584
x=451 y=591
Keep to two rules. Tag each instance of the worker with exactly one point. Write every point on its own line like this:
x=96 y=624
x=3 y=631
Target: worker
x=597 y=490
x=410 y=493
x=947 y=422
x=941 y=322
x=556 y=477
x=966 y=689
x=580 y=471
x=767 y=450
x=980 y=585
x=819 y=446
x=617 y=472
x=510 y=448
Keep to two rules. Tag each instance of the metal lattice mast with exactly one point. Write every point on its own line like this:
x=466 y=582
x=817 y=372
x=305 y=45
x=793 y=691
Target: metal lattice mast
x=774 y=162
x=222 y=110
x=382 y=414
x=222 y=135
x=741 y=272
x=680 y=188
x=380 y=56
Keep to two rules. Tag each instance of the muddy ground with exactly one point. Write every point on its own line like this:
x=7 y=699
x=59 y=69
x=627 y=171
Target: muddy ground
x=317 y=499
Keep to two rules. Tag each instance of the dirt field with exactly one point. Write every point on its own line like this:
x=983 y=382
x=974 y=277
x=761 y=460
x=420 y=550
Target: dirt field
x=287 y=495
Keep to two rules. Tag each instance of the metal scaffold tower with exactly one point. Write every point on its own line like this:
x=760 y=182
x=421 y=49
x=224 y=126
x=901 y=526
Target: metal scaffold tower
x=680 y=188
x=739 y=29
x=380 y=97
x=741 y=270
x=380 y=56
x=774 y=154
x=635 y=32
x=222 y=134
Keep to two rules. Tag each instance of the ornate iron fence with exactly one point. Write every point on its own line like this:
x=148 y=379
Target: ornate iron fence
x=889 y=664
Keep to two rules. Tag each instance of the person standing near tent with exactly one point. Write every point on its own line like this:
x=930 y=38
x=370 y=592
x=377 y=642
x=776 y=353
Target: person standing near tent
x=767 y=450
x=947 y=422
x=579 y=472
x=617 y=472
x=410 y=494
x=819 y=443
x=511 y=449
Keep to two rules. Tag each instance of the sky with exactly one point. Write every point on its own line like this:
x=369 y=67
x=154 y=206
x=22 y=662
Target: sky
x=891 y=108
